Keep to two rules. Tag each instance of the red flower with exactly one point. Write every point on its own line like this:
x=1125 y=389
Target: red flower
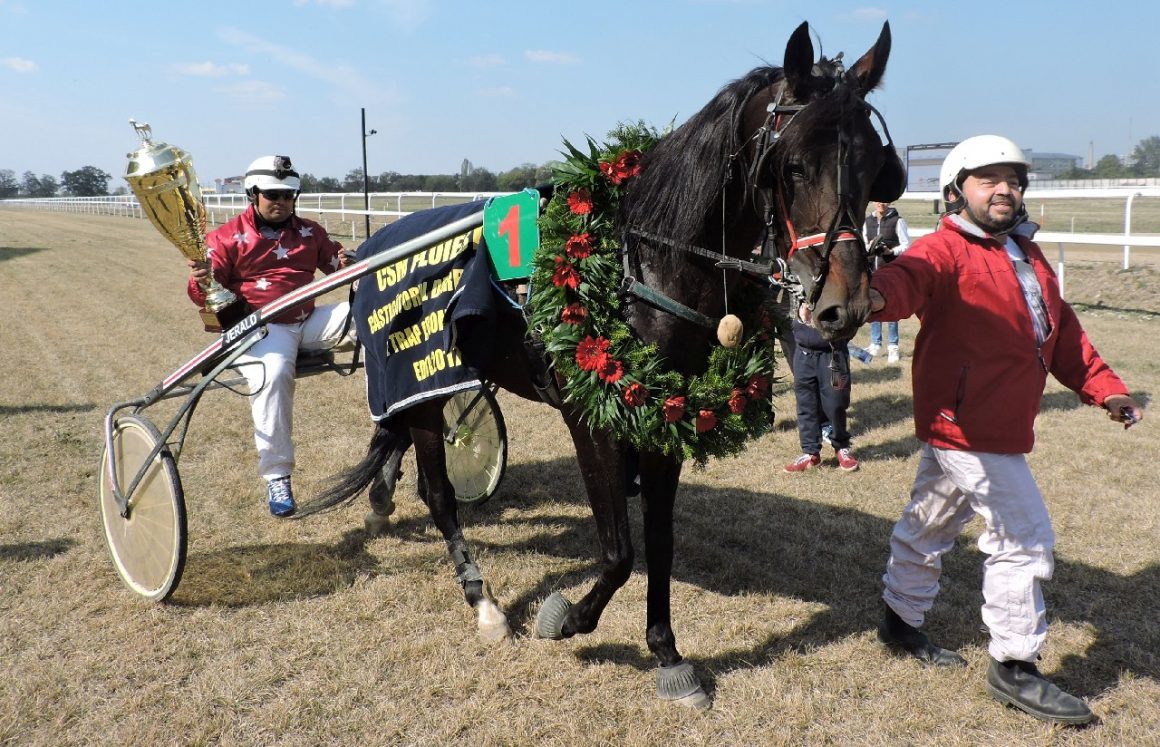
x=565 y=275
x=578 y=246
x=591 y=353
x=573 y=313
x=706 y=420
x=635 y=394
x=758 y=385
x=737 y=402
x=623 y=168
x=610 y=370
x=628 y=165
x=673 y=408
x=580 y=202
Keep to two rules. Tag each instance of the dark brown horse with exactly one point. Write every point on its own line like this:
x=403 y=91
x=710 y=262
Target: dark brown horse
x=783 y=157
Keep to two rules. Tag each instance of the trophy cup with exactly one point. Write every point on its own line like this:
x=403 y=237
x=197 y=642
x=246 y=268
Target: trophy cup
x=162 y=178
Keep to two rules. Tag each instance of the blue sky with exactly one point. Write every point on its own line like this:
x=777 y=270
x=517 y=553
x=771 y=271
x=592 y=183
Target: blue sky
x=501 y=83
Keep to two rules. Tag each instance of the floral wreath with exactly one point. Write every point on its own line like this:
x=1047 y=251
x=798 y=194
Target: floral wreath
x=618 y=382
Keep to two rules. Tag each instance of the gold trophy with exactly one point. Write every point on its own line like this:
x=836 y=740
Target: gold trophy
x=162 y=178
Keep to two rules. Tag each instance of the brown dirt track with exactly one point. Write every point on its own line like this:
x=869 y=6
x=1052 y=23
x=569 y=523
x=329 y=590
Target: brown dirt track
x=309 y=633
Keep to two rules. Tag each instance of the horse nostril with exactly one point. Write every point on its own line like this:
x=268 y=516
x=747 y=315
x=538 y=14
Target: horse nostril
x=830 y=317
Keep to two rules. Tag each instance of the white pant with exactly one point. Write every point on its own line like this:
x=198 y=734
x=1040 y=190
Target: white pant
x=270 y=374
x=951 y=487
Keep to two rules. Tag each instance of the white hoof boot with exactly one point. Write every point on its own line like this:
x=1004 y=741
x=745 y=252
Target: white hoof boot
x=550 y=620
x=680 y=685
x=493 y=623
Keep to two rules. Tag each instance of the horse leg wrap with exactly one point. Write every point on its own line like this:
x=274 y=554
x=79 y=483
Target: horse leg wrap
x=679 y=683
x=466 y=570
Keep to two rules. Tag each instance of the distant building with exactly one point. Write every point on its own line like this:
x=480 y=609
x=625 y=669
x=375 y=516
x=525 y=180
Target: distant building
x=1050 y=165
x=231 y=185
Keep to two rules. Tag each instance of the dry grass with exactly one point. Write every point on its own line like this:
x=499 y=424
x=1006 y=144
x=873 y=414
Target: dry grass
x=309 y=633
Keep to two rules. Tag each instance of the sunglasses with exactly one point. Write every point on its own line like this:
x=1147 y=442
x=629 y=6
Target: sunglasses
x=278 y=194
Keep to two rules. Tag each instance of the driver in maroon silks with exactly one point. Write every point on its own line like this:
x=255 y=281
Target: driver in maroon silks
x=993 y=326
x=262 y=254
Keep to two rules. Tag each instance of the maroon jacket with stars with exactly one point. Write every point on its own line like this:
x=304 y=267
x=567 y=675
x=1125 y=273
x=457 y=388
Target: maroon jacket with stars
x=261 y=268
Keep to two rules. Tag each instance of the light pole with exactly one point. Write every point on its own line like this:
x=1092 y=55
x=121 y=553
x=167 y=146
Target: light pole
x=366 y=183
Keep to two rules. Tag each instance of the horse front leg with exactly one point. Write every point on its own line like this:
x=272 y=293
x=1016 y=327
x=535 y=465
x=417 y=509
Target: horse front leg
x=427 y=434
x=602 y=467
x=676 y=679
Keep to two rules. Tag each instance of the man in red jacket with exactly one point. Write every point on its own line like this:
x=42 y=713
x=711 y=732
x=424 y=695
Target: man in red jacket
x=993 y=325
x=262 y=254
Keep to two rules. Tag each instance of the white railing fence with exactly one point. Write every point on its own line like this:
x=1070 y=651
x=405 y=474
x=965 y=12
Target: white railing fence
x=346 y=210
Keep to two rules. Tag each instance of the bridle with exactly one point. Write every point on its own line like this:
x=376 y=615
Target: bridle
x=844 y=226
x=775 y=213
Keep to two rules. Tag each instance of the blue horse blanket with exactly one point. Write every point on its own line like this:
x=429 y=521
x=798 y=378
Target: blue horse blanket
x=422 y=320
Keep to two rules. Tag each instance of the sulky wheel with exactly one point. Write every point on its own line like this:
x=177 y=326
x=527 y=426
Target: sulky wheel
x=476 y=445
x=148 y=545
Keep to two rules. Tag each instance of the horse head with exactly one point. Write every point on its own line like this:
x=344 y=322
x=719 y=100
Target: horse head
x=818 y=162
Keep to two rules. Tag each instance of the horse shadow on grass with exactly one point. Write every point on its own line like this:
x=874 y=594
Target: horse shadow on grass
x=12 y=252
x=817 y=553
x=248 y=575
x=43 y=550
x=832 y=556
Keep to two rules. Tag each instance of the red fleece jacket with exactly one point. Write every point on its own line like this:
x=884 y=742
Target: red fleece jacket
x=978 y=374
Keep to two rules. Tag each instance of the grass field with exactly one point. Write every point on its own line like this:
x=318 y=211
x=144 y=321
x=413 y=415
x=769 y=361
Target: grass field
x=309 y=632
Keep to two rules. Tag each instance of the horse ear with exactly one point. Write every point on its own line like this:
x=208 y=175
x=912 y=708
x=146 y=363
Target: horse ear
x=869 y=68
x=890 y=182
x=799 y=59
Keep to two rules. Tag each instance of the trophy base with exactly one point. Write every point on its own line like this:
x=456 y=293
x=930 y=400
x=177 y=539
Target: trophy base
x=223 y=319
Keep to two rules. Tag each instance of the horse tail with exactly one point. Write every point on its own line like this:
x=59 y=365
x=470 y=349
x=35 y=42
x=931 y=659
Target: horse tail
x=384 y=443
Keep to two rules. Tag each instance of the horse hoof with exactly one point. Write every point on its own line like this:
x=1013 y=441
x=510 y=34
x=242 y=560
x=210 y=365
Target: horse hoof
x=680 y=685
x=376 y=525
x=550 y=620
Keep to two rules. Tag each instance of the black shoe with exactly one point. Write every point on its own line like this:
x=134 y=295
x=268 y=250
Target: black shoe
x=898 y=636
x=1019 y=683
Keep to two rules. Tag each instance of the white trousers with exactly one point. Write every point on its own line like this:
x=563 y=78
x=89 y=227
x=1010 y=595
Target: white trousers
x=270 y=367
x=951 y=487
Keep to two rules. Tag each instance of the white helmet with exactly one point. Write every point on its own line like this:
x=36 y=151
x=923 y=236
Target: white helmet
x=976 y=152
x=272 y=172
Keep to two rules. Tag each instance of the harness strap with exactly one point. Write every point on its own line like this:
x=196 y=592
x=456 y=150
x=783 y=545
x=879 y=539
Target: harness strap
x=630 y=286
x=721 y=260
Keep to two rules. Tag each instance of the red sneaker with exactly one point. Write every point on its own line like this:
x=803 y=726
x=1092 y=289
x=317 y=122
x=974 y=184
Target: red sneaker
x=846 y=460
x=803 y=462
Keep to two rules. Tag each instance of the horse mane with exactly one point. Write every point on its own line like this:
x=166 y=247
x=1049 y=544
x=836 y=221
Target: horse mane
x=682 y=175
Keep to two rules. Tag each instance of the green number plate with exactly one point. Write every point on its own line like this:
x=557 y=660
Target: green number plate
x=512 y=233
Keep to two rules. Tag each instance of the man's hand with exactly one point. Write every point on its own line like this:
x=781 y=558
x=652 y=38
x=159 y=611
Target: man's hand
x=1124 y=409
x=878 y=247
x=199 y=271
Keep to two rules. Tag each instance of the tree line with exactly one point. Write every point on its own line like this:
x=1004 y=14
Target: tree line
x=1144 y=161
x=89 y=181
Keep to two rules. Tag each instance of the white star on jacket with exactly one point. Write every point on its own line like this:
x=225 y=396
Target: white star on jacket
x=262 y=284
x=334 y=262
x=305 y=231
x=240 y=237
x=302 y=315
x=281 y=252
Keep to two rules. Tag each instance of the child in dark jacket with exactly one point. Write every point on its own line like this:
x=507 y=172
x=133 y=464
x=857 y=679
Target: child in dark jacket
x=822 y=394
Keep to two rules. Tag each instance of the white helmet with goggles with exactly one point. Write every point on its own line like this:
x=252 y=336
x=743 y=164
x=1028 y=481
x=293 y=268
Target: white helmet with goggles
x=271 y=172
x=975 y=153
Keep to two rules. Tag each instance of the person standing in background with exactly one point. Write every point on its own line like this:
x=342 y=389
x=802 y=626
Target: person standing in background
x=887 y=236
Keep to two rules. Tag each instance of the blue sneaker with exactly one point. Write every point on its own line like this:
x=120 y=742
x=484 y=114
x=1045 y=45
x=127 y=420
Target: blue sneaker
x=280 y=497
